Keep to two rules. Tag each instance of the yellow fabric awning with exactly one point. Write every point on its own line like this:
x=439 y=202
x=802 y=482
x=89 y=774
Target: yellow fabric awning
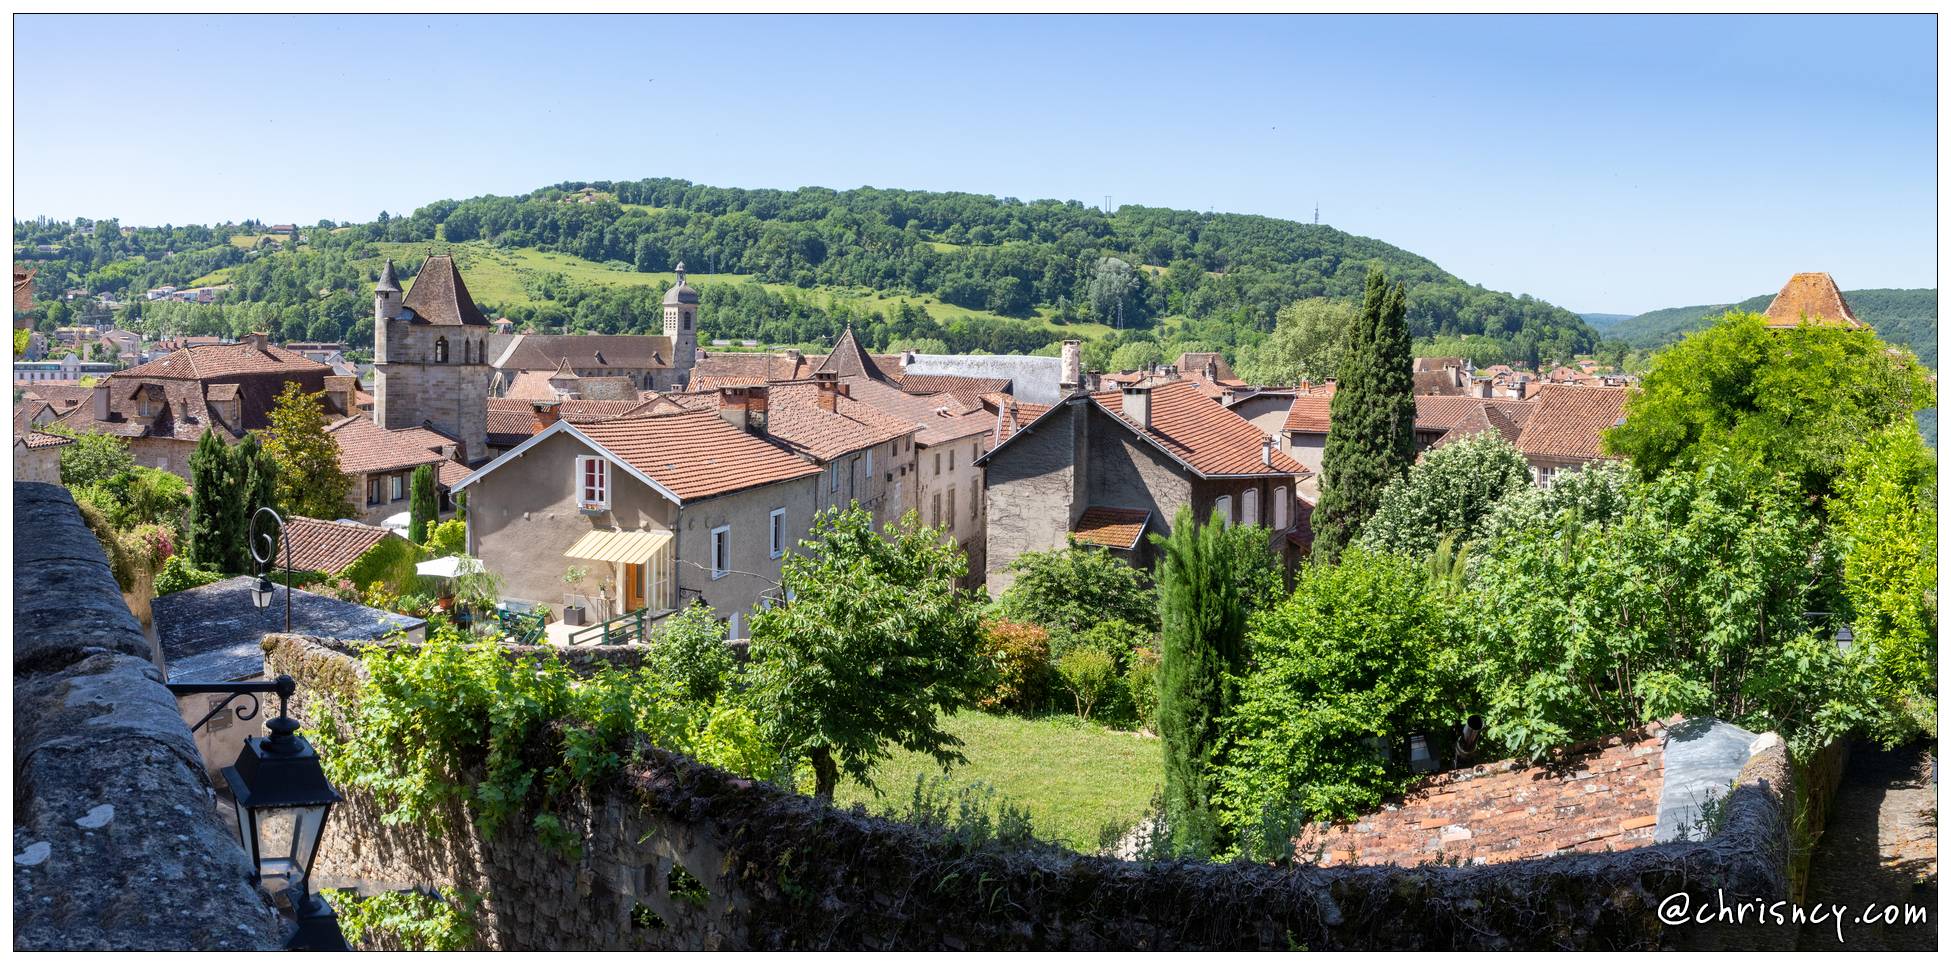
x=635 y=546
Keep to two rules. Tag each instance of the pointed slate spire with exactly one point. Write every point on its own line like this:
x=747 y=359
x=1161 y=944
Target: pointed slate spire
x=388 y=282
x=848 y=360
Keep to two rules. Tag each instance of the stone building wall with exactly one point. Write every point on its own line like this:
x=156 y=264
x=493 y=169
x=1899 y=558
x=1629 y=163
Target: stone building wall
x=118 y=844
x=777 y=870
x=1029 y=495
x=37 y=465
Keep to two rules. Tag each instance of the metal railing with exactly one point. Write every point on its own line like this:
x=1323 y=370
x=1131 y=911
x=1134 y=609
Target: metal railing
x=628 y=628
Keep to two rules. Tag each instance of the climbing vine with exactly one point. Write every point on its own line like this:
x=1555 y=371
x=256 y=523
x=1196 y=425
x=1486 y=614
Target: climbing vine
x=456 y=721
x=409 y=920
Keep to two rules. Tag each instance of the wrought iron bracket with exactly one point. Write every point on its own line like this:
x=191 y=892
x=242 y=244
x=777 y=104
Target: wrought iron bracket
x=284 y=687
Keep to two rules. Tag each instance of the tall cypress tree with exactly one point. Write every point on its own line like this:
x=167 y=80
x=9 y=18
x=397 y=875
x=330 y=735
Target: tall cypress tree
x=1372 y=420
x=258 y=475
x=216 y=534
x=1211 y=578
x=424 y=505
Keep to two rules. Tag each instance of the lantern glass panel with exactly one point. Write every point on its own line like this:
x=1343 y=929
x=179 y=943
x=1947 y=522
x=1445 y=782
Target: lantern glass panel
x=286 y=839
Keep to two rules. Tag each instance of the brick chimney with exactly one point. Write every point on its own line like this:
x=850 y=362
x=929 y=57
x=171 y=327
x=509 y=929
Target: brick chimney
x=257 y=340
x=830 y=390
x=1212 y=370
x=758 y=407
x=1138 y=404
x=734 y=406
x=546 y=415
x=1073 y=366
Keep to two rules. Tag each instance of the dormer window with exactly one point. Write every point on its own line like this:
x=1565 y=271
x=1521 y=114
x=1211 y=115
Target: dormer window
x=440 y=349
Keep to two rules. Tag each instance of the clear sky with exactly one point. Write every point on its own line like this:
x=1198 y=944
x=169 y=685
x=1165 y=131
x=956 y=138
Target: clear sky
x=1607 y=164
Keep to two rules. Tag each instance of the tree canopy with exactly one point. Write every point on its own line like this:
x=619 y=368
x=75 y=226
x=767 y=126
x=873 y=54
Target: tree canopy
x=1374 y=415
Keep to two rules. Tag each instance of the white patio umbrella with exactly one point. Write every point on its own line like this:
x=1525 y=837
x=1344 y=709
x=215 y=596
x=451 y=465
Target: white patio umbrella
x=399 y=523
x=448 y=567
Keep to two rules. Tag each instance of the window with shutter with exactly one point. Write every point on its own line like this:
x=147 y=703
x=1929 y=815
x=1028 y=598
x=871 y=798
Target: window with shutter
x=1280 y=509
x=1225 y=506
x=1250 y=507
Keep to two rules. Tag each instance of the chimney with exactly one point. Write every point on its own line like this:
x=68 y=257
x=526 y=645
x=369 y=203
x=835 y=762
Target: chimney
x=257 y=340
x=98 y=400
x=1073 y=375
x=734 y=406
x=907 y=357
x=339 y=391
x=830 y=389
x=1170 y=372
x=1212 y=370
x=1138 y=404
x=546 y=415
x=758 y=406
x=1267 y=450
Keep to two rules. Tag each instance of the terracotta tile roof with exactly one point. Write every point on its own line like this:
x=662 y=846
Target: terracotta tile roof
x=1445 y=382
x=935 y=419
x=512 y=420
x=439 y=297
x=969 y=391
x=1436 y=363
x=716 y=369
x=61 y=395
x=1308 y=413
x=795 y=418
x=43 y=440
x=532 y=352
x=450 y=472
x=204 y=362
x=328 y=547
x=1457 y=417
x=364 y=447
x=1111 y=526
x=697 y=455
x=1202 y=434
x=1603 y=796
x=1194 y=363
x=533 y=385
x=1566 y=421
x=1812 y=295
x=1012 y=415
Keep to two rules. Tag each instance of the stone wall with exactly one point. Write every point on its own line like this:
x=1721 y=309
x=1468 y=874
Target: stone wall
x=782 y=871
x=118 y=843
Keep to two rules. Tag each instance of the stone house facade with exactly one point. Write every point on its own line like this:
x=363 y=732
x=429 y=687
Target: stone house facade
x=1139 y=453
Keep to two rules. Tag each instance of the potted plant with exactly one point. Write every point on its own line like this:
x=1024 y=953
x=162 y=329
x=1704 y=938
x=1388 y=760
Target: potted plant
x=573 y=613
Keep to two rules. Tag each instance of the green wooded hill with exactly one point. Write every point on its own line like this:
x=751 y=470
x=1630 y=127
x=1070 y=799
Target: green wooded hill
x=971 y=271
x=1902 y=316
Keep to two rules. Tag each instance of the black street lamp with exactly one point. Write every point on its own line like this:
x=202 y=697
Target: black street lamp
x=283 y=800
x=261 y=593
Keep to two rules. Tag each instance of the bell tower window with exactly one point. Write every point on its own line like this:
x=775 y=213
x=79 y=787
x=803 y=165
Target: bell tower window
x=440 y=349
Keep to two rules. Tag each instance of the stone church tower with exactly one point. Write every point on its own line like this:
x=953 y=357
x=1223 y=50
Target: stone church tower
x=430 y=356
x=681 y=326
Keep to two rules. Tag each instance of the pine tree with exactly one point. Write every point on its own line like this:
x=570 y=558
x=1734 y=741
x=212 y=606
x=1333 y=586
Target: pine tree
x=307 y=457
x=1372 y=439
x=425 y=506
x=1211 y=578
x=215 y=537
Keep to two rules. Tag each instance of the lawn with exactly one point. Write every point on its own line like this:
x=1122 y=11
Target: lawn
x=1072 y=777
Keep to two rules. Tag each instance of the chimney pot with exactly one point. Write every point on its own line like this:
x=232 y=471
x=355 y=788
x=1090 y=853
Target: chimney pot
x=98 y=400
x=1267 y=450
x=1073 y=365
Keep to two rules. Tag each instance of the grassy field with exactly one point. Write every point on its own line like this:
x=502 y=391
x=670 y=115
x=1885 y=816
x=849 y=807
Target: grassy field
x=1070 y=776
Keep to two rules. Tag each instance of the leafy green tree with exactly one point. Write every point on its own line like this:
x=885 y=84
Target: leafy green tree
x=1373 y=441
x=1691 y=601
x=259 y=476
x=424 y=506
x=688 y=649
x=1362 y=653
x=1594 y=496
x=1791 y=401
x=1306 y=343
x=1884 y=522
x=309 y=480
x=873 y=646
x=448 y=538
x=1075 y=588
x=94 y=457
x=1112 y=287
x=1136 y=356
x=217 y=540
x=1211 y=578
x=1449 y=493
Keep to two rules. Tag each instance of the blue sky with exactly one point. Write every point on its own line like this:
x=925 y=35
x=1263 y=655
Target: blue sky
x=1607 y=164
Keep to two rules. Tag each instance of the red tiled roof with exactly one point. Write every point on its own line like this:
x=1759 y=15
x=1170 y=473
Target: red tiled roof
x=1459 y=416
x=532 y=352
x=43 y=440
x=222 y=361
x=696 y=454
x=1012 y=415
x=1308 y=413
x=1202 y=434
x=1111 y=526
x=1566 y=421
x=717 y=369
x=795 y=417
x=1603 y=796
x=365 y=447
x=967 y=390
x=1194 y=363
x=328 y=547
x=1810 y=295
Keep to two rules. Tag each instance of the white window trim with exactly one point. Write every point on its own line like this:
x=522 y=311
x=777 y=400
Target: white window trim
x=1250 y=507
x=602 y=483
x=777 y=530
x=870 y=464
x=1225 y=506
x=1280 y=509
x=720 y=562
